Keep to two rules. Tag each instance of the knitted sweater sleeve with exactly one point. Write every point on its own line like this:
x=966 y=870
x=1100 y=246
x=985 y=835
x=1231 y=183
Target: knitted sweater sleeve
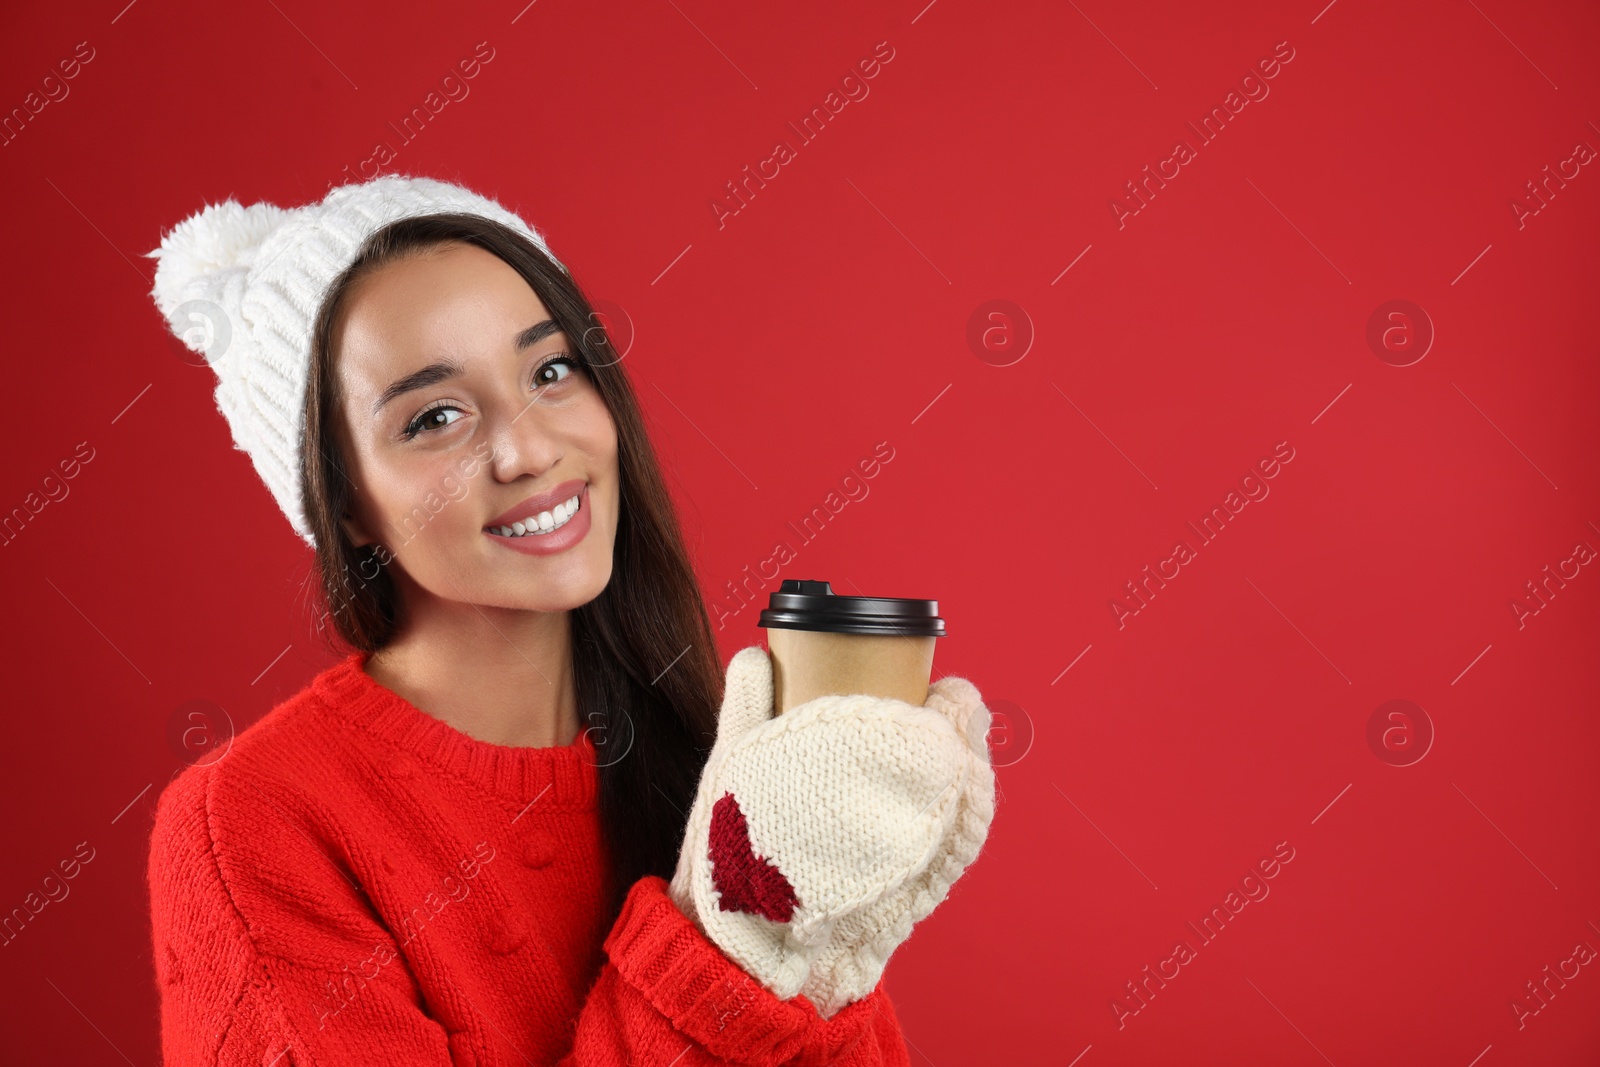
x=669 y=996
x=253 y=939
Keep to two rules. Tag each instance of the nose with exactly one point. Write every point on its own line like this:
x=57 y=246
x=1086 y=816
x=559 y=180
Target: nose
x=522 y=437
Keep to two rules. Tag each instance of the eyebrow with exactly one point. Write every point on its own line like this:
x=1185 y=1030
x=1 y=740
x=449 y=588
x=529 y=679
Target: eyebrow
x=445 y=369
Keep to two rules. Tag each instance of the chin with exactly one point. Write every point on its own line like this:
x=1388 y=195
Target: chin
x=565 y=588
x=515 y=582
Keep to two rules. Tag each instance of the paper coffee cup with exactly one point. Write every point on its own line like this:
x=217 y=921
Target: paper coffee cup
x=822 y=644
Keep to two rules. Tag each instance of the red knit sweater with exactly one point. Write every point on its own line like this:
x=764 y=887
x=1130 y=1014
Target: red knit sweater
x=356 y=881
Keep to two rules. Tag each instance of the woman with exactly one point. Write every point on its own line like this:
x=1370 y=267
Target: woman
x=517 y=822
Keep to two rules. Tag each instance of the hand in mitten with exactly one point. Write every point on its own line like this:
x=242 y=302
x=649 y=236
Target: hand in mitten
x=821 y=835
x=852 y=961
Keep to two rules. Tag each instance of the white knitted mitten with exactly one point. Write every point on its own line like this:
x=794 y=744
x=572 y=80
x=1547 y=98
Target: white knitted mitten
x=853 y=960
x=818 y=837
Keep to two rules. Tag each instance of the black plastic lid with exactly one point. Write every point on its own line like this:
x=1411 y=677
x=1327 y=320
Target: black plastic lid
x=811 y=605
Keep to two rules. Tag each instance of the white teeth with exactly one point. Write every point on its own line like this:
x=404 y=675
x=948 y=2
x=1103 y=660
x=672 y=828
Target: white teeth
x=542 y=523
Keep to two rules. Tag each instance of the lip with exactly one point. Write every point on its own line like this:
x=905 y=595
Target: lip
x=546 y=544
x=539 y=502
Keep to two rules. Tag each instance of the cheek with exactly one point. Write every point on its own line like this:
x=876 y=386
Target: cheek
x=599 y=434
x=369 y=501
x=410 y=499
x=600 y=441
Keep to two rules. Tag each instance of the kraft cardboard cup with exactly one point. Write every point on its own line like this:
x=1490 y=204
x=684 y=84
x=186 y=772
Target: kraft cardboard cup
x=822 y=644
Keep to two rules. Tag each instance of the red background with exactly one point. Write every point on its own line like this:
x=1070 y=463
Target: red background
x=831 y=313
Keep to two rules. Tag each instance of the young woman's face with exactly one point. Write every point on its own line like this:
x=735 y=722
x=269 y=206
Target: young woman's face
x=463 y=407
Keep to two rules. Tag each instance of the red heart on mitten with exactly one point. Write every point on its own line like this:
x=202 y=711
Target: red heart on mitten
x=744 y=881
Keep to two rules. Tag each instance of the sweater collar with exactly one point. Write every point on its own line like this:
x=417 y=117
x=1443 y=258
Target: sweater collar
x=562 y=776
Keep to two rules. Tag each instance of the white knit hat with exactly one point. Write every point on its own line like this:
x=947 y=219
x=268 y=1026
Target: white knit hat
x=253 y=277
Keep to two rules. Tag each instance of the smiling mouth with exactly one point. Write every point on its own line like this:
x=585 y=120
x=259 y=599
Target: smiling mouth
x=544 y=522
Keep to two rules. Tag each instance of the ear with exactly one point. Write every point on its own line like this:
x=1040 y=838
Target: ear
x=357 y=532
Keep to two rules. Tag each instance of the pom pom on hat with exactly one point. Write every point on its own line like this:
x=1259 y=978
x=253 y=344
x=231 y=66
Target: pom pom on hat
x=241 y=285
x=201 y=254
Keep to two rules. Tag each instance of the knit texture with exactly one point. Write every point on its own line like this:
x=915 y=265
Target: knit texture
x=818 y=837
x=745 y=881
x=851 y=963
x=241 y=285
x=355 y=882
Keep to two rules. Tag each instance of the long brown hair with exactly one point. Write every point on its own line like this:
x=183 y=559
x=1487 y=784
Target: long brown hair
x=645 y=664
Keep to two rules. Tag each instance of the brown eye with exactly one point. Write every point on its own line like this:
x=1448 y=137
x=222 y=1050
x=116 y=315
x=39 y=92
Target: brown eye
x=430 y=419
x=539 y=377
